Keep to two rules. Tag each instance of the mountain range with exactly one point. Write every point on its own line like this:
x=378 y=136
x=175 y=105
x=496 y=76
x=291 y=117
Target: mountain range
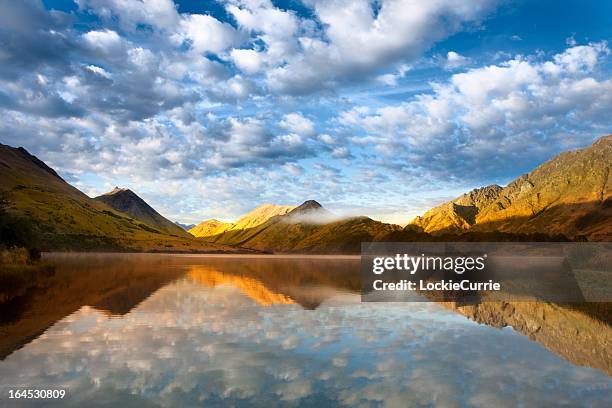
x=40 y=209
x=568 y=197
x=305 y=228
x=186 y=227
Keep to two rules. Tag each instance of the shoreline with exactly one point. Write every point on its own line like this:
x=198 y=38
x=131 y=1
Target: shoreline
x=262 y=255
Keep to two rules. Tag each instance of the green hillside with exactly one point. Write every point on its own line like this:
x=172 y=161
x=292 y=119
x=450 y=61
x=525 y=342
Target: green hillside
x=38 y=208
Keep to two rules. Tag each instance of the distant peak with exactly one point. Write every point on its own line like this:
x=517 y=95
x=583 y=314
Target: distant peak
x=212 y=221
x=117 y=190
x=310 y=204
x=307 y=206
x=604 y=140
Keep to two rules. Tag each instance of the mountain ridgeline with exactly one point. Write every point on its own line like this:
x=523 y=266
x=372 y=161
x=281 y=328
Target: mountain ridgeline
x=570 y=195
x=126 y=201
x=254 y=218
x=38 y=209
x=305 y=228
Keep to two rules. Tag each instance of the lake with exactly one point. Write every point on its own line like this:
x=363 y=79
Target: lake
x=212 y=330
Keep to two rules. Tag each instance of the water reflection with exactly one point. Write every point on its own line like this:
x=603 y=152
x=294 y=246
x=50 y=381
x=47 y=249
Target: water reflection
x=153 y=330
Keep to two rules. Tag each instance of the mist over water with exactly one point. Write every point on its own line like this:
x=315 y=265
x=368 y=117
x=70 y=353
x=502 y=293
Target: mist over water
x=162 y=330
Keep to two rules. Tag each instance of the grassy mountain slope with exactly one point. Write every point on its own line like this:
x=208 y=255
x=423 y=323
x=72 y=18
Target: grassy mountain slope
x=127 y=202
x=254 y=218
x=459 y=214
x=570 y=195
x=57 y=216
x=209 y=228
x=299 y=231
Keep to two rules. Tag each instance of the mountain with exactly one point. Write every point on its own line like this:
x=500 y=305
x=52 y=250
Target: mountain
x=40 y=209
x=570 y=195
x=127 y=202
x=254 y=218
x=186 y=227
x=306 y=228
x=260 y=215
x=458 y=215
x=209 y=228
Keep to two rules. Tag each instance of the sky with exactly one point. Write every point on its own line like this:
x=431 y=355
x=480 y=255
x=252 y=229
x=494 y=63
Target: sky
x=384 y=108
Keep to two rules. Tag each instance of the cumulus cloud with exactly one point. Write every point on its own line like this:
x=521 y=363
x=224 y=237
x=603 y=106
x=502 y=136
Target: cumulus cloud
x=107 y=41
x=275 y=28
x=249 y=141
x=206 y=34
x=455 y=60
x=297 y=123
x=495 y=112
x=135 y=92
x=391 y=79
x=130 y=13
x=33 y=39
x=356 y=40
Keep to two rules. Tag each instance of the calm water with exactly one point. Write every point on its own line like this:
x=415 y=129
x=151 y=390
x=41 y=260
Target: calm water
x=159 y=330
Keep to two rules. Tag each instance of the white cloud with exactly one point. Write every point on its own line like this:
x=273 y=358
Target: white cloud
x=581 y=57
x=391 y=79
x=341 y=152
x=203 y=33
x=262 y=16
x=107 y=41
x=355 y=41
x=232 y=90
x=276 y=28
x=297 y=123
x=206 y=34
x=99 y=71
x=496 y=111
x=130 y=13
x=294 y=169
x=327 y=139
x=455 y=60
x=248 y=61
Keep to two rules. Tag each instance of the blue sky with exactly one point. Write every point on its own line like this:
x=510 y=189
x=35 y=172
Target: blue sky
x=383 y=108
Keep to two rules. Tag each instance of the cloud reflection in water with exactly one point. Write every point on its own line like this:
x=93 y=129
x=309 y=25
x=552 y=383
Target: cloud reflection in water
x=213 y=344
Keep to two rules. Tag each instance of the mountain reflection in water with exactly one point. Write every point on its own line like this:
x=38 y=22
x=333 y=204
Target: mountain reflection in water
x=177 y=330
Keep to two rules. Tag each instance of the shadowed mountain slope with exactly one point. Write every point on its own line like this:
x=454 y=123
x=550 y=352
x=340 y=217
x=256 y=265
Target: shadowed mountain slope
x=186 y=227
x=460 y=214
x=39 y=209
x=126 y=201
x=570 y=195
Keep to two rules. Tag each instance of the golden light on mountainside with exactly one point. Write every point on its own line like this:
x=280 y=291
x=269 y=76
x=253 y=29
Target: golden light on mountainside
x=570 y=195
x=252 y=288
x=252 y=219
